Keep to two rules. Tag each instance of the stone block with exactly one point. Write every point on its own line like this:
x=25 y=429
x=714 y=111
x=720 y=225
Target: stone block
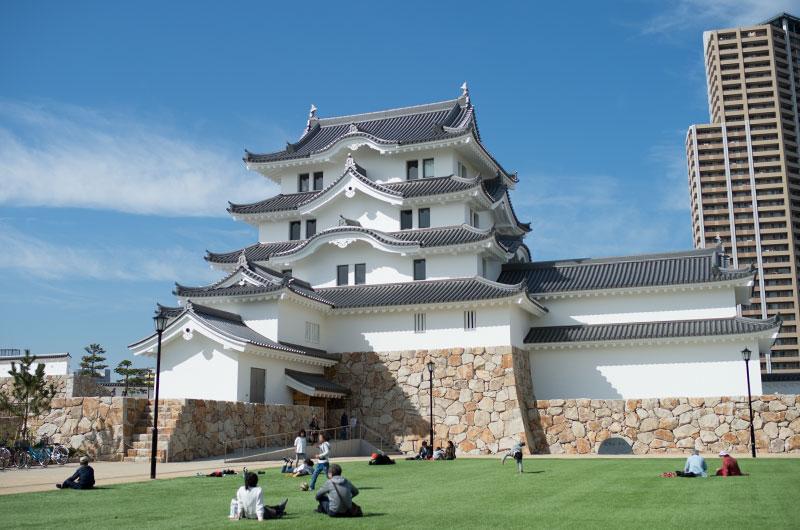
x=648 y=424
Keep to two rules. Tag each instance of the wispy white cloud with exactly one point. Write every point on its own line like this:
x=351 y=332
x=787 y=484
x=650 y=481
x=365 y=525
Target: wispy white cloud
x=715 y=14
x=66 y=156
x=30 y=256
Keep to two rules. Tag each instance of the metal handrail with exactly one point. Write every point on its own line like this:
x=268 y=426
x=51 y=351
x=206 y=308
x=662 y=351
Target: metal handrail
x=290 y=435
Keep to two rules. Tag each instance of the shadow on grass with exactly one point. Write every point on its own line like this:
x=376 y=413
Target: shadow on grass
x=531 y=472
x=370 y=488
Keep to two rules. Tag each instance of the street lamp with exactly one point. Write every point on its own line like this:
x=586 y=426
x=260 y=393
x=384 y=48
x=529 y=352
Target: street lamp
x=746 y=356
x=160 y=321
x=431 y=366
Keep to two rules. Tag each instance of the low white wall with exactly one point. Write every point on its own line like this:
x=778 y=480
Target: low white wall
x=646 y=371
x=198 y=369
x=50 y=367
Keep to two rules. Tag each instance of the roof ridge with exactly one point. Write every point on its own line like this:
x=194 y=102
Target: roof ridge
x=737 y=318
x=632 y=258
x=387 y=113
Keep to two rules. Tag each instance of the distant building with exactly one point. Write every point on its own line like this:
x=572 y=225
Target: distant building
x=54 y=363
x=744 y=169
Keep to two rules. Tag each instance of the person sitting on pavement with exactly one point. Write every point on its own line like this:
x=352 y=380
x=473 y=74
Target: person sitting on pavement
x=450 y=451
x=250 y=499
x=730 y=467
x=82 y=479
x=695 y=466
x=516 y=454
x=335 y=497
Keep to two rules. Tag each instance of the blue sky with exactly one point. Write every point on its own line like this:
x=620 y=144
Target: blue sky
x=122 y=127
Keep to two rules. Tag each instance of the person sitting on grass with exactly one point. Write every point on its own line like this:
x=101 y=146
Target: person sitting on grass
x=306 y=468
x=322 y=459
x=438 y=454
x=251 y=501
x=450 y=451
x=300 y=447
x=424 y=452
x=335 y=497
x=516 y=454
x=695 y=466
x=82 y=479
x=730 y=468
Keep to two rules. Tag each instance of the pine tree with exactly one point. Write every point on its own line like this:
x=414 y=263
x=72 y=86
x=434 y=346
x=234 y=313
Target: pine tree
x=91 y=364
x=132 y=375
x=30 y=393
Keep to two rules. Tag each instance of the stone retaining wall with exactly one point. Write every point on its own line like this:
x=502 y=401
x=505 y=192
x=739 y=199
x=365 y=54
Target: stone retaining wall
x=66 y=386
x=481 y=396
x=671 y=425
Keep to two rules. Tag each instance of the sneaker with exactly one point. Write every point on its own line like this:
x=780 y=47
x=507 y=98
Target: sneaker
x=283 y=504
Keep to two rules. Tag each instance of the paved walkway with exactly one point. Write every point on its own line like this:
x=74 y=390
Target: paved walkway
x=14 y=480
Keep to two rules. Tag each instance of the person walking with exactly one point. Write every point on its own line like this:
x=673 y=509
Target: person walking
x=516 y=454
x=323 y=463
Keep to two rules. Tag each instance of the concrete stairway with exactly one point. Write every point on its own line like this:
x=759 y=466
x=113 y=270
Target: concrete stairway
x=140 y=447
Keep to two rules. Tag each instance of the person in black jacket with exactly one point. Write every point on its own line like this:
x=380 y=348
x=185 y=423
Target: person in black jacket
x=425 y=452
x=82 y=479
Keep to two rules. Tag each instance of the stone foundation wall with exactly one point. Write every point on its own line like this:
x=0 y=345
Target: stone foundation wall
x=481 y=396
x=671 y=425
x=66 y=386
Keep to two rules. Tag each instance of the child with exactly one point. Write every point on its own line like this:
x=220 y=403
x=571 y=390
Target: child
x=516 y=454
x=322 y=459
x=300 y=447
x=438 y=454
x=303 y=469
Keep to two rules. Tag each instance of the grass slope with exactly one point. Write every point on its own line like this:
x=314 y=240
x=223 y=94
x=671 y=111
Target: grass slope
x=479 y=493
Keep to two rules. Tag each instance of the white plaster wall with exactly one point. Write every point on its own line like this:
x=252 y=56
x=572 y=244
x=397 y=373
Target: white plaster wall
x=261 y=315
x=395 y=330
x=276 y=391
x=292 y=324
x=644 y=307
x=198 y=369
x=320 y=267
x=50 y=368
x=646 y=371
x=520 y=323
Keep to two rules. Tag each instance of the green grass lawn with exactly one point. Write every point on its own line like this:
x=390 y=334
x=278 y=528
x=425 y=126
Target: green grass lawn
x=479 y=493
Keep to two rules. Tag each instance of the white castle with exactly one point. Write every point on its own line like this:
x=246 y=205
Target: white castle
x=395 y=232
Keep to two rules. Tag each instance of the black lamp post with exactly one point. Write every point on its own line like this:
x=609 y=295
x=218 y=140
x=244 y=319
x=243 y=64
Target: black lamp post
x=160 y=322
x=746 y=356
x=431 y=366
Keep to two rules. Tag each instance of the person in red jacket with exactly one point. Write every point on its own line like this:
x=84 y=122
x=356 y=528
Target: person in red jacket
x=730 y=468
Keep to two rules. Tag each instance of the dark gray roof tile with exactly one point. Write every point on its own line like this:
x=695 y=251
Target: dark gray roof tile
x=316 y=381
x=650 y=330
x=645 y=270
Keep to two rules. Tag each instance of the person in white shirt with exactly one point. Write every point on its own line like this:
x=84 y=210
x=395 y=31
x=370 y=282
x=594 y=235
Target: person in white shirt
x=251 y=501
x=322 y=459
x=300 y=447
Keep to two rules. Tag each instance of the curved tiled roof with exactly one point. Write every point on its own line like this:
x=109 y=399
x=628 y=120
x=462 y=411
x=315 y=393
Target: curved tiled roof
x=646 y=270
x=651 y=330
x=420 y=292
x=316 y=381
x=398 y=126
x=424 y=237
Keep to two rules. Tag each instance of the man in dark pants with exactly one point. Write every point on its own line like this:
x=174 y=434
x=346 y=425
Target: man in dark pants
x=82 y=479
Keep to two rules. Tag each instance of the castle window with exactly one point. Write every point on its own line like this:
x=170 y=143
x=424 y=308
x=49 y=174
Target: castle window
x=302 y=182
x=462 y=170
x=294 y=230
x=406 y=219
x=318 y=180
x=361 y=273
x=427 y=168
x=475 y=219
x=311 y=228
x=286 y=272
x=469 y=320
x=312 y=332
x=419 y=269
x=342 y=273
x=419 y=323
x=424 y=217
x=412 y=169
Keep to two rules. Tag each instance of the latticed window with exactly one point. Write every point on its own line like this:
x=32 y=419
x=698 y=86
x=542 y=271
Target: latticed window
x=312 y=332
x=419 y=323
x=469 y=320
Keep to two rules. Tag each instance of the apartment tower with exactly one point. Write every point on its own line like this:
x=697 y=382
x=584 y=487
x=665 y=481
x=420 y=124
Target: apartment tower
x=744 y=176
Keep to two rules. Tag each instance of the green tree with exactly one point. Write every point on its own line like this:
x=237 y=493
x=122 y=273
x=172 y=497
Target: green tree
x=30 y=393
x=91 y=364
x=132 y=375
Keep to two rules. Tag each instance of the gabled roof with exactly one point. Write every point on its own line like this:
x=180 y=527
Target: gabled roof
x=233 y=326
x=651 y=330
x=635 y=271
x=422 y=123
x=423 y=237
x=421 y=292
x=317 y=382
